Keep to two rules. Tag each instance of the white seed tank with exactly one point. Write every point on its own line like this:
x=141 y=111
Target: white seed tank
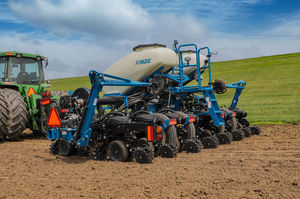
x=138 y=65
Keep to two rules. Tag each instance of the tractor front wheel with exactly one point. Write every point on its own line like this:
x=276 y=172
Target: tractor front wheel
x=13 y=114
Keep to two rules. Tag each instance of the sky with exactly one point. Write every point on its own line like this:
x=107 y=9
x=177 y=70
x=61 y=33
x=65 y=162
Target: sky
x=79 y=35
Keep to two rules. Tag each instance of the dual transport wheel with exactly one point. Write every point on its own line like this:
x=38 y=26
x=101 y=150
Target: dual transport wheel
x=117 y=151
x=61 y=147
x=168 y=148
x=190 y=144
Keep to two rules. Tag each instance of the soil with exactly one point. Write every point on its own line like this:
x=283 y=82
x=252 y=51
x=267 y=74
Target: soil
x=264 y=166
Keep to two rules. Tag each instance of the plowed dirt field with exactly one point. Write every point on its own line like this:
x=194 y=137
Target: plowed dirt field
x=264 y=166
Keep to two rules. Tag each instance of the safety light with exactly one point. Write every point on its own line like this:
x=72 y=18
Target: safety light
x=30 y=92
x=159 y=137
x=173 y=121
x=9 y=53
x=233 y=114
x=223 y=115
x=54 y=120
x=150 y=133
x=46 y=93
x=158 y=129
x=192 y=119
x=45 y=101
x=65 y=110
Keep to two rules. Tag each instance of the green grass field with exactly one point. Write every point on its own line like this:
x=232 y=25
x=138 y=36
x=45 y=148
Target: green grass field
x=272 y=93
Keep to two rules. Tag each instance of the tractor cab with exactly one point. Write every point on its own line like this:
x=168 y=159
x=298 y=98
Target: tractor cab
x=22 y=68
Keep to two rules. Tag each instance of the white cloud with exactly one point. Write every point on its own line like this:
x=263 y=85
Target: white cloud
x=6 y=14
x=288 y=26
x=66 y=58
x=108 y=19
x=110 y=23
x=214 y=11
x=230 y=46
x=98 y=33
x=103 y=32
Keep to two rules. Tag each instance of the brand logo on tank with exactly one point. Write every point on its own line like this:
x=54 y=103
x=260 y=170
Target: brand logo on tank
x=143 y=61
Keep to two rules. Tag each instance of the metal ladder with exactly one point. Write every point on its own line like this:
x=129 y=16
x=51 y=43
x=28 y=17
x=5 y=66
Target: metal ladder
x=213 y=107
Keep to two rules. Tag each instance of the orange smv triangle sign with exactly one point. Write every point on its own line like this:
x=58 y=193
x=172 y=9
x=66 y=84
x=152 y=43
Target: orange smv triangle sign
x=30 y=92
x=54 y=120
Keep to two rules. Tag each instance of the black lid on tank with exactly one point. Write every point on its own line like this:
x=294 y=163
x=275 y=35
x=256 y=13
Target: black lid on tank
x=149 y=45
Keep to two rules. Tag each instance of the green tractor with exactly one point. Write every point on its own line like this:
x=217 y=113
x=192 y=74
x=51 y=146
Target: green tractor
x=24 y=102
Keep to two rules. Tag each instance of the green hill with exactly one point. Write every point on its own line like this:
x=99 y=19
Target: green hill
x=272 y=93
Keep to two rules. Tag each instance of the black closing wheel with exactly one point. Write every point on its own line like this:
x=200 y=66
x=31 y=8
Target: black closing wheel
x=192 y=146
x=209 y=142
x=168 y=151
x=83 y=151
x=244 y=122
x=224 y=138
x=117 y=151
x=143 y=155
x=98 y=151
x=255 y=130
x=238 y=135
x=247 y=131
x=142 y=142
x=65 y=148
x=53 y=148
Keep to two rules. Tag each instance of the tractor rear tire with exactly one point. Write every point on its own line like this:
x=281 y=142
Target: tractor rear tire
x=13 y=114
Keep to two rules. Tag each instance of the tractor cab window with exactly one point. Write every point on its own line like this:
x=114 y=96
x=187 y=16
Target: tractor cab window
x=2 y=69
x=26 y=71
x=16 y=69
